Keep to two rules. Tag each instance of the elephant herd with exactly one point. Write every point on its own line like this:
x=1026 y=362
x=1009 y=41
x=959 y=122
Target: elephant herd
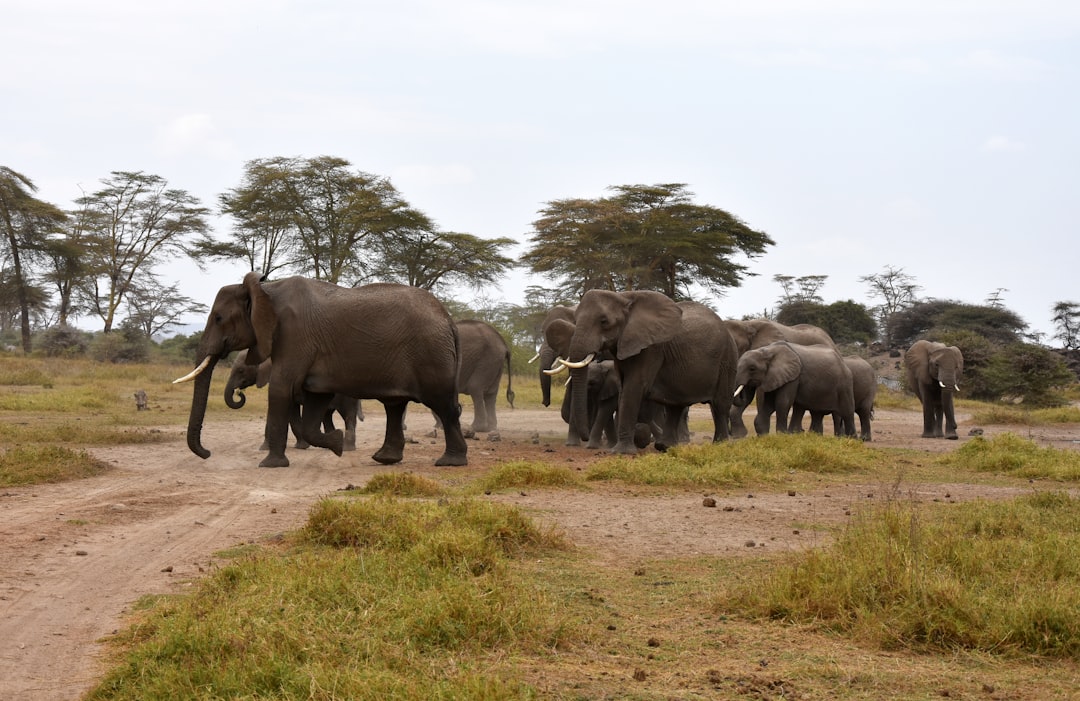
x=637 y=361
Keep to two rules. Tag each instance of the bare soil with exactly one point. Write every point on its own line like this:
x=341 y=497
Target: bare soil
x=75 y=557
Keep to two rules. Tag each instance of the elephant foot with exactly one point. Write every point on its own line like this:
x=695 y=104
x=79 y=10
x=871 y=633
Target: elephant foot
x=388 y=456
x=452 y=460
x=951 y=437
x=274 y=461
x=625 y=448
x=301 y=445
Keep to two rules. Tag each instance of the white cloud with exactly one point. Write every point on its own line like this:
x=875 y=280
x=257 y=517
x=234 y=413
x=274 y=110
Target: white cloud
x=194 y=134
x=426 y=175
x=1003 y=67
x=1002 y=144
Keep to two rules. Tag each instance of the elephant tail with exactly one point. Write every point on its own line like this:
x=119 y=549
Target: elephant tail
x=509 y=380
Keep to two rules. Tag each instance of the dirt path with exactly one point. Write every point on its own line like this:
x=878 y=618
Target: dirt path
x=74 y=557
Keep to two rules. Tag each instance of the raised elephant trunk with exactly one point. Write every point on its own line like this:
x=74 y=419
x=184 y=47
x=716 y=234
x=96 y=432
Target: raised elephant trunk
x=234 y=395
x=202 y=376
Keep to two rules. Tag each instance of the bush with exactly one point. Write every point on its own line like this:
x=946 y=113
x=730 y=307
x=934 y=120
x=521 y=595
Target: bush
x=1035 y=375
x=126 y=345
x=64 y=341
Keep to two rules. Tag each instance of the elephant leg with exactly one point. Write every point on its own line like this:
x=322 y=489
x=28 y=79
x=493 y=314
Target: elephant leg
x=295 y=423
x=604 y=421
x=279 y=404
x=626 y=419
x=864 y=425
x=349 y=417
x=795 y=425
x=393 y=447
x=764 y=416
x=448 y=410
x=930 y=411
x=316 y=406
x=782 y=410
x=490 y=399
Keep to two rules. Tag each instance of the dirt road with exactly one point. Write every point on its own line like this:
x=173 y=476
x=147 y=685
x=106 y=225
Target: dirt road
x=74 y=557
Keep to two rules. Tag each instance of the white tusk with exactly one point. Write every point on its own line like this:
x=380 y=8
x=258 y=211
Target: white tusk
x=194 y=373
x=580 y=363
x=534 y=358
x=567 y=383
x=558 y=367
x=942 y=384
x=737 y=391
x=956 y=387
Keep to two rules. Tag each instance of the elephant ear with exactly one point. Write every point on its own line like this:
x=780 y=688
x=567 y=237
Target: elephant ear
x=558 y=334
x=784 y=366
x=651 y=318
x=917 y=361
x=263 y=318
x=959 y=358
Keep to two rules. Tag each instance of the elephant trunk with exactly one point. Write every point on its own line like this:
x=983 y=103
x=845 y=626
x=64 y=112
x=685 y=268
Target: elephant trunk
x=198 y=409
x=547 y=358
x=234 y=395
x=579 y=404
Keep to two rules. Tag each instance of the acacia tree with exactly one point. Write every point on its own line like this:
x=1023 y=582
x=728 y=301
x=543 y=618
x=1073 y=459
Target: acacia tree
x=313 y=216
x=643 y=237
x=808 y=288
x=1067 y=324
x=897 y=291
x=27 y=223
x=133 y=223
x=434 y=260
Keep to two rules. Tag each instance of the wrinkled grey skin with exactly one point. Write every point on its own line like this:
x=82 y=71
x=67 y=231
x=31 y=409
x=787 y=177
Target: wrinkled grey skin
x=546 y=353
x=814 y=377
x=389 y=342
x=933 y=373
x=675 y=354
x=243 y=376
x=864 y=387
x=484 y=354
x=755 y=333
x=604 y=387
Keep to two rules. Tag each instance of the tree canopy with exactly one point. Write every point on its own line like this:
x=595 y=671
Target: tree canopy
x=643 y=237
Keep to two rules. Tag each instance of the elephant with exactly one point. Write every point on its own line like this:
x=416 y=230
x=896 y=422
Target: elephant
x=545 y=353
x=384 y=341
x=243 y=376
x=604 y=387
x=755 y=333
x=673 y=353
x=789 y=374
x=864 y=388
x=933 y=373
x=483 y=353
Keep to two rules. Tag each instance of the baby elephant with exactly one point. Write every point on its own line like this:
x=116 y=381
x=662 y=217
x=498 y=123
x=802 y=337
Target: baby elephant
x=864 y=387
x=813 y=377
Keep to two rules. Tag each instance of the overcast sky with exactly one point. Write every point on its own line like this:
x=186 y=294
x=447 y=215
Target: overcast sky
x=937 y=136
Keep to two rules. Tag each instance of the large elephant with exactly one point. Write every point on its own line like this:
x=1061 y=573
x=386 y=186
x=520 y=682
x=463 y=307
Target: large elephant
x=483 y=355
x=604 y=387
x=864 y=388
x=933 y=373
x=244 y=375
x=545 y=353
x=755 y=333
x=675 y=354
x=390 y=342
x=788 y=374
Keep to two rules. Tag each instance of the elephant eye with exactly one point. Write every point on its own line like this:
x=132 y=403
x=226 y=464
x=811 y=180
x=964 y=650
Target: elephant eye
x=604 y=322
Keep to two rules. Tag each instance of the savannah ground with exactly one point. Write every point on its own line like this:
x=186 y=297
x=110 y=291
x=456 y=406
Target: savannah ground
x=76 y=556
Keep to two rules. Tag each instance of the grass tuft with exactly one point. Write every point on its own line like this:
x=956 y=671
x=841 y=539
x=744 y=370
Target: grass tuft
x=46 y=464
x=525 y=473
x=766 y=459
x=1010 y=454
x=1000 y=577
x=376 y=615
x=402 y=484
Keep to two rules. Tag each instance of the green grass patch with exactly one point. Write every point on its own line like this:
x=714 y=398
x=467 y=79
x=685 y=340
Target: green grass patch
x=1008 y=453
x=402 y=484
x=1016 y=416
x=994 y=577
x=43 y=464
x=525 y=473
x=886 y=398
x=769 y=459
x=387 y=611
